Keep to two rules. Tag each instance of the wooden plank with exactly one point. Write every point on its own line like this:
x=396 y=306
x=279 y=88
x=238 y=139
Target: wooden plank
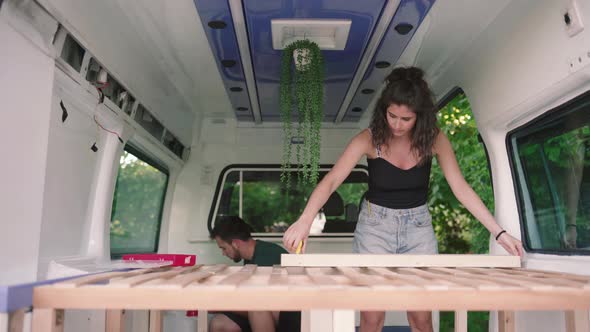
x=155 y=321
x=492 y=275
x=317 y=277
x=366 y=260
x=48 y=320
x=577 y=321
x=16 y=320
x=343 y=321
x=410 y=280
x=235 y=279
x=299 y=288
x=506 y=321
x=198 y=274
x=203 y=321
x=145 y=277
x=115 y=320
x=95 y=278
x=3 y=321
x=317 y=321
x=461 y=321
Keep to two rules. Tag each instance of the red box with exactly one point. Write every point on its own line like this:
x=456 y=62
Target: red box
x=175 y=259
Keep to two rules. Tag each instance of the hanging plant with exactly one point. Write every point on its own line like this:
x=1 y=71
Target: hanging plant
x=305 y=87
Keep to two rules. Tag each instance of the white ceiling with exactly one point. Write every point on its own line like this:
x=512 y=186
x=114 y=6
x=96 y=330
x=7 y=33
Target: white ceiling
x=158 y=49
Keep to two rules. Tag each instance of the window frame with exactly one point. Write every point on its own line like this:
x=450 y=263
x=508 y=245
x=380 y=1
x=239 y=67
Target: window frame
x=557 y=113
x=144 y=157
x=273 y=167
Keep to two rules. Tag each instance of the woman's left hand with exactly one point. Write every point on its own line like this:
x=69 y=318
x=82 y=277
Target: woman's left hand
x=511 y=244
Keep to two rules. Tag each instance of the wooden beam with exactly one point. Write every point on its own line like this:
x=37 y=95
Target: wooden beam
x=461 y=321
x=115 y=320
x=3 y=321
x=155 y=321
x=506 y=321
x=16 y=320
x=203 y=321
x=48 y=320
x=358 y=260
x=577 y=321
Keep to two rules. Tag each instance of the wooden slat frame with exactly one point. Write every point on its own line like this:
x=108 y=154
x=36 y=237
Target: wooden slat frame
x=220 y=287
x=298 y=288
x=370 y=260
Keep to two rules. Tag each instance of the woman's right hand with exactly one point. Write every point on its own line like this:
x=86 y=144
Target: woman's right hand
x=297 y=232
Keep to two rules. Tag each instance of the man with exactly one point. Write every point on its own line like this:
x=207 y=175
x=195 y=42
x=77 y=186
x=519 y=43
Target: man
x=234 y=239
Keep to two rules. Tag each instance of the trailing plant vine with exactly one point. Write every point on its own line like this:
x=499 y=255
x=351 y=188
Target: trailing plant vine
x=306 y=88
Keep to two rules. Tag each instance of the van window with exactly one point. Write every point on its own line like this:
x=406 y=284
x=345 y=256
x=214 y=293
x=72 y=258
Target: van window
x=137 y=204
x=551 y=164
x=257 y=195
x=72 y=53
x=456 y=228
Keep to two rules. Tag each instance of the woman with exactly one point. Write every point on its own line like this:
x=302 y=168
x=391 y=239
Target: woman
x=394 y=219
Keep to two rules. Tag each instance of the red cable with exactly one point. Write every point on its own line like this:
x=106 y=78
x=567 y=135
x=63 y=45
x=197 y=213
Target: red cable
x=110 y=131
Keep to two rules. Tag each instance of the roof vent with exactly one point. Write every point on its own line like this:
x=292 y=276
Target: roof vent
x=329 y=34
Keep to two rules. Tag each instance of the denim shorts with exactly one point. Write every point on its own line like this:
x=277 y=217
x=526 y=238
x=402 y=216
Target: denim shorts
x=382 y=230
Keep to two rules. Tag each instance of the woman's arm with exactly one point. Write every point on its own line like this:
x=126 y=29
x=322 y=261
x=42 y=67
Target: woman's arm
x=356 y=149
x=465 y=194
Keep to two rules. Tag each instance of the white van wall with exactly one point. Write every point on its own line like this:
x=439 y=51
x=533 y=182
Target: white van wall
x=517 y=69
x=220 y=144
x=26 y=83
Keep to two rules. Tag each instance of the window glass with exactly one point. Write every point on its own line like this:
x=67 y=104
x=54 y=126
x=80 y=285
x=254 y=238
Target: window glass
x=258 y=197
x=72 y=53
x=173 y=144
x=551 y=161
x=457 y=230
x=137 y=204
x=148 y=122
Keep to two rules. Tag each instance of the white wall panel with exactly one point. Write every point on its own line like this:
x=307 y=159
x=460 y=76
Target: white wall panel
x=26 y=79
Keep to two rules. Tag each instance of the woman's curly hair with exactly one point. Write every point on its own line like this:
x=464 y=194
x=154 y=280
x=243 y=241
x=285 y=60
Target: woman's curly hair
x=406 y=86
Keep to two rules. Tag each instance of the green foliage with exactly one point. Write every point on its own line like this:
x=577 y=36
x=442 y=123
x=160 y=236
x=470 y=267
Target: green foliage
x=268 y=207
x=457 y=230
x=477 y=321
x=137 y=206
x=307 y=89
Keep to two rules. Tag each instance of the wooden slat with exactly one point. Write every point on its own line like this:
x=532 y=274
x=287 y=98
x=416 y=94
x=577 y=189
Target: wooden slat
x=366 y=260
x=3 y=321
x=235 y=279
x=410 y=279
x=506 y=321
x=461 y=321
x=16 y=320
x=201 y=274
x=115 y=320
x=145 y=277
x=321 y=279
x=155 y=321
x=298 y=288
x=485 y=281
x=48 y=320
x=343 y=321
x=533 y=283
x=577 y=321
x=95 y=278
x=203 y=321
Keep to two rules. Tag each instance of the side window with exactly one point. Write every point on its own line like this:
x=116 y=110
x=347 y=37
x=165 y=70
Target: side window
x=137 y=204
x=257 y=196
x=551 y=164
x=457 y=230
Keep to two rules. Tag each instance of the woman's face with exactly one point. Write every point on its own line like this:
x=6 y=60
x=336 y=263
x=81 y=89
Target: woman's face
x=401 y=119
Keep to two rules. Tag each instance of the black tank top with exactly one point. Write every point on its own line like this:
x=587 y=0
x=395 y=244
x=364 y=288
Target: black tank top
x=395 y=188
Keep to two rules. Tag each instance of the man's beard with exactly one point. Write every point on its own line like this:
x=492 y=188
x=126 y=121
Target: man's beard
x=237 y=259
